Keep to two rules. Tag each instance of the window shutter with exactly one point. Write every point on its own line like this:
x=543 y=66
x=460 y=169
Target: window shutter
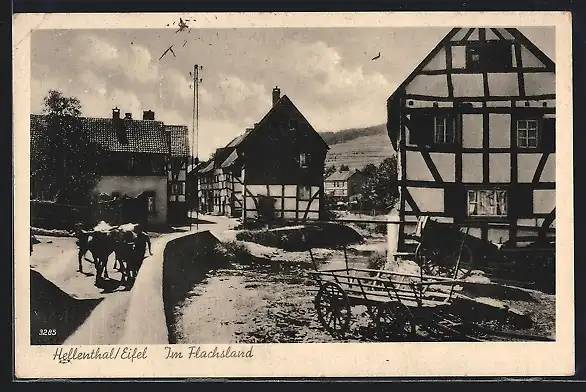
x=421 y=129
x=548 y=134
x=455 y=200
x=520 y=200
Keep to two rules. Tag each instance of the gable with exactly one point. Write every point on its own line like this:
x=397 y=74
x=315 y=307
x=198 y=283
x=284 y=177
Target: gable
x=481 y=62
x=283 y=125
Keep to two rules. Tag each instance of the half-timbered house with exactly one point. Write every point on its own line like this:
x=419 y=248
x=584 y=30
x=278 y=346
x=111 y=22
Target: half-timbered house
x=474 y=126
x=143 y=160
x=177 y=173
x=273 y=171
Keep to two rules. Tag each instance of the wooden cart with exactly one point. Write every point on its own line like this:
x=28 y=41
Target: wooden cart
x=402 y=305
x=397 y=303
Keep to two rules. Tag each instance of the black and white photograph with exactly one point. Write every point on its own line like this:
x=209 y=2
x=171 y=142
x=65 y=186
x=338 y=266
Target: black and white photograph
x=233 y=186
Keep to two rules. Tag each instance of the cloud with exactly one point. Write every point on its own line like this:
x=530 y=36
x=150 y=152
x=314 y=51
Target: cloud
x=331 y=86
x=135 y=62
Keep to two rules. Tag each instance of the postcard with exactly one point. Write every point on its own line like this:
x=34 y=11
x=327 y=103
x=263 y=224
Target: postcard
x=293 y=195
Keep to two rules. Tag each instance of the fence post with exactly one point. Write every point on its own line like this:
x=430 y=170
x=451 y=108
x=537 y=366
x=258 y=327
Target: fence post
x=392 y=236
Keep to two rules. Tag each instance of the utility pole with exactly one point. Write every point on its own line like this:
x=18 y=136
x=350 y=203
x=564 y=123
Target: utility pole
x=195 y=139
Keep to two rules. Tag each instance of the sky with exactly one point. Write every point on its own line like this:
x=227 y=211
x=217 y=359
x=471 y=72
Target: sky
x=328 y=73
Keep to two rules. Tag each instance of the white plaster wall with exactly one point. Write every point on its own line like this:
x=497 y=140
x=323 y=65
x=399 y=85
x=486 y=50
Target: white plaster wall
x=446 y=165
x=458 y=57
x=468 y=85
x=539 y=83
x=472 y=128
x=503 y=84
x=529 y=59
x=543 y=200
x=526 y=166
x=472 y=167
x=499 y=130
x=548 y=174
x=438 y=62
x=428 y=199
x=432 y=85
x=500 y=167
x=416 y=167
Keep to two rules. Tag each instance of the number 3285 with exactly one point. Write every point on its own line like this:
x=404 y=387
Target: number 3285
x=47 y=332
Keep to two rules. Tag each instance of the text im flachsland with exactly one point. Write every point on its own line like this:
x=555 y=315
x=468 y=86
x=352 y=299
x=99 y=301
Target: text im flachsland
x=135 y=354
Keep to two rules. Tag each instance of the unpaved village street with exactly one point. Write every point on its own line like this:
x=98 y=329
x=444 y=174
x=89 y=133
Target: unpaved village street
x=264 y=299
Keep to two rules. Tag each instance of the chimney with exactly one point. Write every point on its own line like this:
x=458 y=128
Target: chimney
x=276 y=95
x=128 y=116
x=148 y=115
x=116 y=113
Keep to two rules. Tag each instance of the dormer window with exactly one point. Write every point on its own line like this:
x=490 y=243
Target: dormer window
x=491 y=56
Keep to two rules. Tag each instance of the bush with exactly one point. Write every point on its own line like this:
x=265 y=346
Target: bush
x=316 y=235
x=380 y=228
x=232 y=250
x=377 y=261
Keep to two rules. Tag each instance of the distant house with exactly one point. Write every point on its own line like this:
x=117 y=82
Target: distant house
x=144 y=160
x=177 y=173
x=344 y=184
x=272 y=171
x=474 y=125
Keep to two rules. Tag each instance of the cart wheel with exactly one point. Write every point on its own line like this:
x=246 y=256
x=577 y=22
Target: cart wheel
x=333 y=309
x=449 y=258
x=441 y=260
x=427 y=259
x=395 y=322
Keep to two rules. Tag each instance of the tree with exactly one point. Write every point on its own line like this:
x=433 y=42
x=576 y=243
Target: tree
x=380 y=189
x=329 y=170
x=56 y=104
x=344 y=168
x=67 y=163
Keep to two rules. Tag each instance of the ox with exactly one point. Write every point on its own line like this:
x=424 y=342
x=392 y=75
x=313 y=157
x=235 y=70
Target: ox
x=130 y=250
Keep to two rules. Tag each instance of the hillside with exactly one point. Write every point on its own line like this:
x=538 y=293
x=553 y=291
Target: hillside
x=363 y=146
x=346 y=135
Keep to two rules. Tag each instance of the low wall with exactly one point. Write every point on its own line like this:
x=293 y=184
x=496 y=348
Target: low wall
x=186 y=261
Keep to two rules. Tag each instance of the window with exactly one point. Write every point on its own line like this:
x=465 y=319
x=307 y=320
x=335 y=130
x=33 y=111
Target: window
x=304 y=192
x=527 y=133
x=151 y=204
x=427 y=129
x=175 y=189
x=304 y=160
x=496 y=56
x=487 y=202
x=443 y=131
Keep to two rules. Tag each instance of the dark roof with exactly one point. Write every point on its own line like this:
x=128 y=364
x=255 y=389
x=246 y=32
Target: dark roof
x=230 y=160
x=179 y=140
x=144 y=136
x=284 y=100
x=208 y=167
x=341 y=176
